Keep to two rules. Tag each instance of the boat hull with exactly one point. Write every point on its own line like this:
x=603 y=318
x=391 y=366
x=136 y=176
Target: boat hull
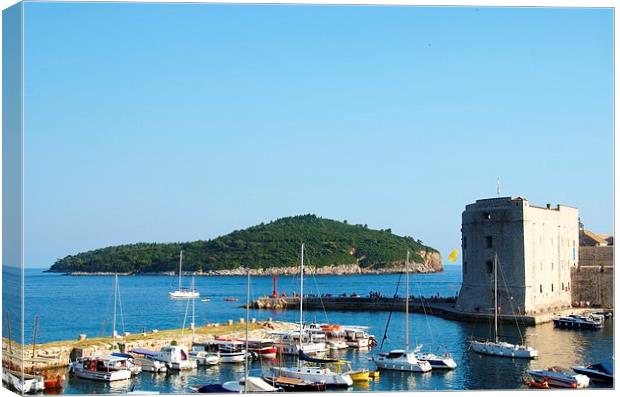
x=503 y=350
x=314 y=375
x=560 y=380
x=294 y=385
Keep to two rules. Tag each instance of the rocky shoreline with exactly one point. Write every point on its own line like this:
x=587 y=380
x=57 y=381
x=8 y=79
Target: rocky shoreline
x=431 y=264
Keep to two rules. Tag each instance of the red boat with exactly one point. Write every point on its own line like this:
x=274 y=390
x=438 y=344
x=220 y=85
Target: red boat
x=261 y=348
x=53 y=382
x=542 y=384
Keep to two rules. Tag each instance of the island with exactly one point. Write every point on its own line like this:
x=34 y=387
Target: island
x=332 y=247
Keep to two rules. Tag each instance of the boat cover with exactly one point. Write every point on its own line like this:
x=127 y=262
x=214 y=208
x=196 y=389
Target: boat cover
x=212 y=388
x=145 y=352
x=607 y=366
x=305 y=357
x=123 y=355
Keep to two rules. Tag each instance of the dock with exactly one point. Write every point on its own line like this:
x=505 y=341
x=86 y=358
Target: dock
x=443 y=307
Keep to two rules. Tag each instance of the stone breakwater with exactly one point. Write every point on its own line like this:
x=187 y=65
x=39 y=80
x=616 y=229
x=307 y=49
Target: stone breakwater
x=431 y=263
x=60 y=354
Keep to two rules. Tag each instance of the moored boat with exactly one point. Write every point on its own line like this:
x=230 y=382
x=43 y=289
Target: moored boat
x=444 y=361
x=600 y=372
x=23 y=382
x=503 y=349
x=294 y=384
x=579 y=322
x=101 y=368
x=560 y=378
x=251 y=384
x=183 y=293
x=175 y=357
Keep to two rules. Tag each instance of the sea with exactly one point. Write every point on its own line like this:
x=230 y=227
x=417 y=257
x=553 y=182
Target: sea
x=67 y=306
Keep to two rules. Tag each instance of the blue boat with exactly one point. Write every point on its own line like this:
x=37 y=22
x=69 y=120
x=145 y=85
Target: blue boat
x=579 y=322
x=601 y=372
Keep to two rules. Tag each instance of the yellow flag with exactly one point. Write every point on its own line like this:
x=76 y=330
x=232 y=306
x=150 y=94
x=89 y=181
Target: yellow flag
x=453 y=256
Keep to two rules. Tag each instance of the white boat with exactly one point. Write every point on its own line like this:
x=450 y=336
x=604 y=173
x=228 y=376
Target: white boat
x=333 y=334
x=204 y=358
x=183 y=293
x=23 y=383
x=496 y=347
x=175 y=358
x=229 y=351
x=560 y=378
x=403 y=359
x=254 y=385
x=150 y=365
x=315 y=374
x=290 y=343
x=357 y=337
x=444 y=361
x=102 y=368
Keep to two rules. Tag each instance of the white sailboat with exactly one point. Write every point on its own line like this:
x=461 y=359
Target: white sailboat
x=315 y=374
x=496 y=347
x=403 y=359
x=183 y=293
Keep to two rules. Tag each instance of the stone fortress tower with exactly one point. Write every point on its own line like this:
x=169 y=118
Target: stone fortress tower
x=536 y=246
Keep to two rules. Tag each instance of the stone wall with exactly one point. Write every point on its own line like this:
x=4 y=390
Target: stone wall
x=593 y=286
x=596 y=256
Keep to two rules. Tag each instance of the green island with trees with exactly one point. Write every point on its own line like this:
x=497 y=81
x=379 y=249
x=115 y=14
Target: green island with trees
x=274 y=244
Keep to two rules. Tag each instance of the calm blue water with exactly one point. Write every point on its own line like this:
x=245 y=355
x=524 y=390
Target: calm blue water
x=69 y=305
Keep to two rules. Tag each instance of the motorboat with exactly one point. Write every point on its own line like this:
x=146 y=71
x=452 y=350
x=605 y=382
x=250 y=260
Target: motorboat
x=556 y=377
x=357 y=337
x=133 y=367
x=401 y=360
x=174 y=357
x=101 y=368
x=23 y=382
x=205 y=358
x=261 y=348
x=444 y=361
x=252 y=384
x=290 y=343
x=294 y=384
x=333 y=334
x=503 y=349
x=601 y=372
x=183 y=293
x=228 y=350
x=590 y=321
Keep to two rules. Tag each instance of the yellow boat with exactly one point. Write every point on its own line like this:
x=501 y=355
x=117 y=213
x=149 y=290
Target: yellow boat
x=374 y=375
x=360 y=376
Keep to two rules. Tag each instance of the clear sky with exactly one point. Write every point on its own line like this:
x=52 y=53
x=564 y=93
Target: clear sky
x=182 y=122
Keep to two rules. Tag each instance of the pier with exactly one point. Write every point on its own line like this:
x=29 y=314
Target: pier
x=443 y=307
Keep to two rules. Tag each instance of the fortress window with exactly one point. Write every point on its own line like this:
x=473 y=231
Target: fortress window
x=562 y=286
x=489 y=266
x=541 y=288
x=551 y=287
x=486 y=215
x=488 y=242
x=464 y=243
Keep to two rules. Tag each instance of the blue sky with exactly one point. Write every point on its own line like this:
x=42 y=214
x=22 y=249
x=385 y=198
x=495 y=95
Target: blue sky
x=183 y=122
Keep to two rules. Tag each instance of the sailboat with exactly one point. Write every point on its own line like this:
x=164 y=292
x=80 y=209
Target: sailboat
x=496 y=347
x=403 y=359
x=201 y=356
x=315 y=374
x=183 y=293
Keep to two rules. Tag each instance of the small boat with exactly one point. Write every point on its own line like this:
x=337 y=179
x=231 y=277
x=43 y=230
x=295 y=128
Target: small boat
x=23 y=383
x=558 y=377
x=294 y=384
x=210 y=388
x=360 y=375
x=204 y=358
x=261 y=348
x=357 y=337
x=601 y=372
x=102 y=368
x=231 y=299
x=229 y=351
x=183 y=293
x=145 y=359
x=133 y=367
x=579 y=322
x=254 y=385
x=205 y=300
x=436 y=361
x=290 y=343
x=173 y=357
x=53 y=382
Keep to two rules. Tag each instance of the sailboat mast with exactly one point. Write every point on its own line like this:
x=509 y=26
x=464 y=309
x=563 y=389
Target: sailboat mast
x=180 y=267
x=495 y=284
x=247 y=320
x=193 y=311
x=407 y=303
x=301 y=300
x=114 y=315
